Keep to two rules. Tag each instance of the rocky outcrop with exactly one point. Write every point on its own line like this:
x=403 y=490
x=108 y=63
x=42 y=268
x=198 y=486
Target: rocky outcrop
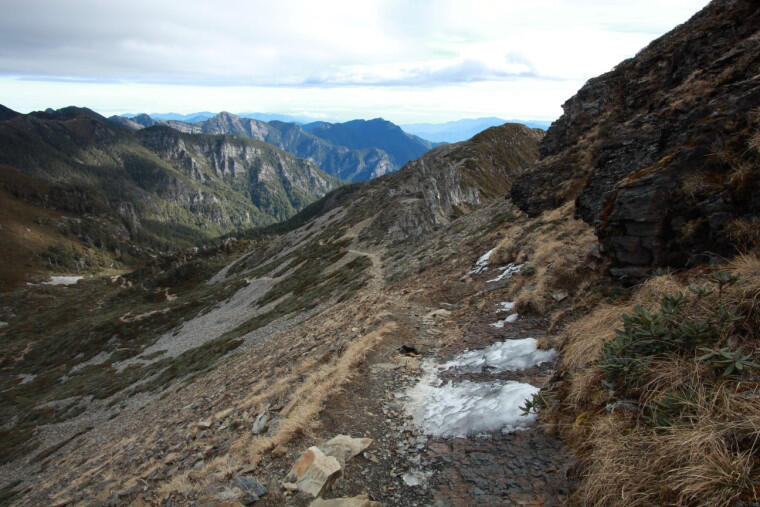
x=661 y=154
x=277 y=182
x=448 y=181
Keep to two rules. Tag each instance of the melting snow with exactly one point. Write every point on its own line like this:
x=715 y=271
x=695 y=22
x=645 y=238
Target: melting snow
x=510 y=319
x=503 y=356
x=468 y=408
x=63 y=280
x=506 y=272
x=482 y=263
x=506 y=306
x=472 y=408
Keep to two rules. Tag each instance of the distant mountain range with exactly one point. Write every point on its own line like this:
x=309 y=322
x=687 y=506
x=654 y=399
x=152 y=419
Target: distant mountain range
x=358 y=150
x=446 y=132
x=205 y=115
x=461 y=130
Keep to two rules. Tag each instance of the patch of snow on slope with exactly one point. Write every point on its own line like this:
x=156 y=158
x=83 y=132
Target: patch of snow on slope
x=482 y=263
x=506 y=272
x=510 y=319
x=63 y=280
x=472 y=408
x=506 y=306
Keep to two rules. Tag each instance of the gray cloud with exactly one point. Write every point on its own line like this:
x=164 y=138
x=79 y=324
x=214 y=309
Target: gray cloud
x=328 y=43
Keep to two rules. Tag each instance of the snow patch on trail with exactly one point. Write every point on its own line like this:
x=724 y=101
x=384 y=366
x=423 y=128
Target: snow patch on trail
x=458 y=409
x=509 y=320
x=505 y=306
x=467 y=408
x=503 y=356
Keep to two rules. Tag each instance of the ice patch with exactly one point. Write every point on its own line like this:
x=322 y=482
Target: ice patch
x=506 y=306
x=63 y=280
x=510 y=319
x=472 y=408
x=26 y=378
x=469 y=408
x=416 y=478
x=482 y=263
x=503 y=356
x=506 y=272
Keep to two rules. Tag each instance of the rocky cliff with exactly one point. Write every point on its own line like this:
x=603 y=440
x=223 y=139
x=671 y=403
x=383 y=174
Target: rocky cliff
x=447 y=182
x=661 y=154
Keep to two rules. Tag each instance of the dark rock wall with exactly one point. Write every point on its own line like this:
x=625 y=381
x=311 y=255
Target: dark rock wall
x=661 y=153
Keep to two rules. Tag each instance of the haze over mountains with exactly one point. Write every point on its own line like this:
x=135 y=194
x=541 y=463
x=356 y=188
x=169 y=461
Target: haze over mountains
x=460 y=130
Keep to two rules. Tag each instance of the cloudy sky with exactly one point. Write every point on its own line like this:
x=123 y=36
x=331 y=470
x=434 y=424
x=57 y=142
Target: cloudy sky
x=404 y=60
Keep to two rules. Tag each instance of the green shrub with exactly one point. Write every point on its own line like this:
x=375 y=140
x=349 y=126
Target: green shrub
x=674 y=329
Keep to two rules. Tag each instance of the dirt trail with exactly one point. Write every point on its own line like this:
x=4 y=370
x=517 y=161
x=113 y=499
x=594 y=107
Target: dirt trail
x=405 y=467
x=376 y=271
x=401 y=467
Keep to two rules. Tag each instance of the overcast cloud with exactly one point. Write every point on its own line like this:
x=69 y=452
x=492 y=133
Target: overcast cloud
x=409 y=61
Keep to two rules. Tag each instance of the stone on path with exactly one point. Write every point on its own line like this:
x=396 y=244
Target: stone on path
x=251 y=488
x=344 y=447
x=356 y=501
x=313 y=473
x=261 y=424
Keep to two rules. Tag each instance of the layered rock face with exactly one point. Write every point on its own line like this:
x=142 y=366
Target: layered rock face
x=448 y=181
x=662 y=154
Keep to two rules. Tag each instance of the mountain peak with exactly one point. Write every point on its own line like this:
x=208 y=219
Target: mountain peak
x=7 y=113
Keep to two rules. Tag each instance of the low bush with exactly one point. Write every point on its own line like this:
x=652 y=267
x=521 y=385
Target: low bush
x=661 y=401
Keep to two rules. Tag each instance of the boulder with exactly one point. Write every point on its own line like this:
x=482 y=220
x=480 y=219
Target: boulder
x=344 y=447
x=313 y=473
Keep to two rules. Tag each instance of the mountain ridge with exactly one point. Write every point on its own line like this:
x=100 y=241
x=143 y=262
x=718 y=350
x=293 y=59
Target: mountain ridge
x=157 y=194
x=358 y=162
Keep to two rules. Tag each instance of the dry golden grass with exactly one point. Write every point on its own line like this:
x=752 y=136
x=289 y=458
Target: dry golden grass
x=754 y=142
x=299 y=416
x=582 y=340
x=710 y=456
x=556 y=246
x=744 y=233
x=691 y=464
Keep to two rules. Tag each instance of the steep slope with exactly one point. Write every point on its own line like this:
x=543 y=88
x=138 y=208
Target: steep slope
x=157 y=187
x=377 y=133
x=276 y=182
x=661 y=154
x=6 y=113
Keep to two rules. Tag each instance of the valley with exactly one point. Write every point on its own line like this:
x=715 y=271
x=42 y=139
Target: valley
x=191 y=314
